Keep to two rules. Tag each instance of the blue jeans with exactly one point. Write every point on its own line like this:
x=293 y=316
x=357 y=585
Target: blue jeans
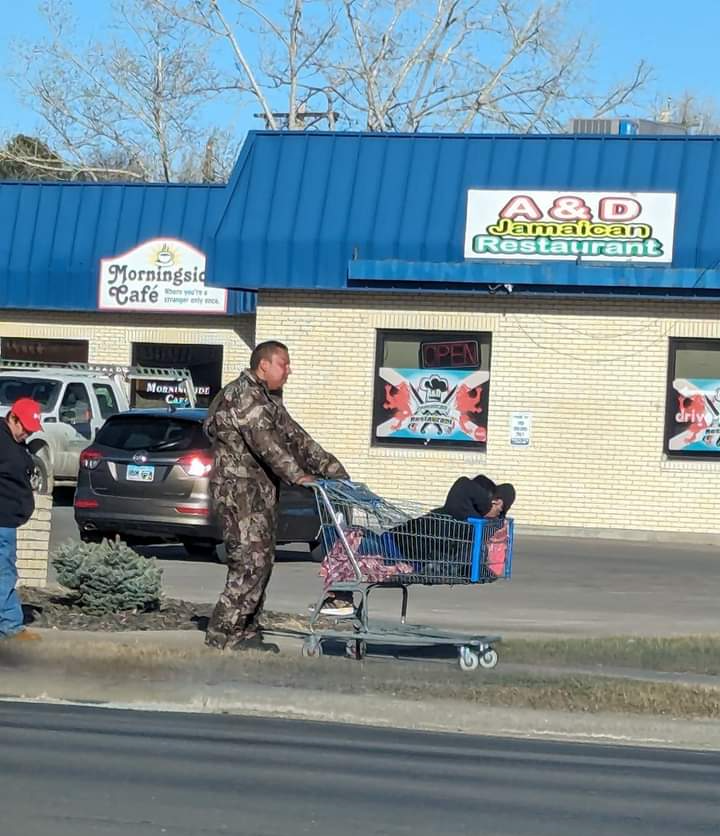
x=11 y=614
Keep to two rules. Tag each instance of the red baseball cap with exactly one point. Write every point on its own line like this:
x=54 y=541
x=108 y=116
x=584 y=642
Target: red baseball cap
x=27 y=411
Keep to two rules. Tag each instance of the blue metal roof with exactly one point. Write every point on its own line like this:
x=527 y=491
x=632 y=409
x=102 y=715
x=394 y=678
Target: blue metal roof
x=338 y=210
x=53 y=235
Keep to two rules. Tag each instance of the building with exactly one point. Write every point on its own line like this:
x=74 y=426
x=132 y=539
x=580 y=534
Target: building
x=540 y=308
x=114 y=273
x=544 y=309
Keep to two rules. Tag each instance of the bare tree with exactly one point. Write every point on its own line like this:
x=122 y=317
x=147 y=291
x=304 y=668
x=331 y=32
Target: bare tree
x=692 y=114
x=277 y=51
x=29 y=158
x=127 y=106
x=406 y=65
x=134 y=105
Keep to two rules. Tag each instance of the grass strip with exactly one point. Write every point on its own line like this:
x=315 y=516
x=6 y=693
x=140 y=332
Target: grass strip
x=578 y=694
x=685 y=654
x=109 y=664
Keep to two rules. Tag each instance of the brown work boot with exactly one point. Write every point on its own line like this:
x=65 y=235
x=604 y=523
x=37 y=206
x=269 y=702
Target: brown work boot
x=24 y=636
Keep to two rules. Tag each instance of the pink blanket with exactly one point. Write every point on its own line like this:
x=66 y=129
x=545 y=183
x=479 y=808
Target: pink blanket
x=337 y=566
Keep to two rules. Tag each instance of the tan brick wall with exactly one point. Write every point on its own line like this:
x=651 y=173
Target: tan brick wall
x=110 y=336
x=33 y=540
x=591 y=372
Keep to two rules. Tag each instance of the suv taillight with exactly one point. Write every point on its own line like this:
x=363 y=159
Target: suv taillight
x=90 y=459
x=196 y=464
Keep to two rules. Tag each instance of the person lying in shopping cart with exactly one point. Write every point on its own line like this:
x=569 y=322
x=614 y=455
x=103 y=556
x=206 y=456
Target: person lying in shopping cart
x=430 y=548
x=477 y=497
x=468 y=498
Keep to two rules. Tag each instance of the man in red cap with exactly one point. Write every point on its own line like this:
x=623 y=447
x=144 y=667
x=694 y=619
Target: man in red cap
x=16 y=507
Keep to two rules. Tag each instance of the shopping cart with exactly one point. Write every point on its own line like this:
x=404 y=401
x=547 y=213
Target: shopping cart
x=372 y=543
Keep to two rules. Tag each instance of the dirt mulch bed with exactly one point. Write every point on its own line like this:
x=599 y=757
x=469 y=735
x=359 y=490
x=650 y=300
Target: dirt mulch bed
x=56 y=608
x=48 y=608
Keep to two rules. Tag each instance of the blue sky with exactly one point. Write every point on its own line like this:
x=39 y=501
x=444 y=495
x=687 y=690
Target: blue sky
x=682 y=48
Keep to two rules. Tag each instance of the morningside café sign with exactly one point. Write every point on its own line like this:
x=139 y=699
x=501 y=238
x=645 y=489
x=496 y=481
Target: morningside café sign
x=570 y=225
x=158 y=276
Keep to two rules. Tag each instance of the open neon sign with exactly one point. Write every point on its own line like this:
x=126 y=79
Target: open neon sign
x=451 y=354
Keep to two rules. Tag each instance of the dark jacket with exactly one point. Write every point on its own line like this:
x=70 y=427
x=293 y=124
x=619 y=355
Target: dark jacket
x=469 y=498
x=16 y=467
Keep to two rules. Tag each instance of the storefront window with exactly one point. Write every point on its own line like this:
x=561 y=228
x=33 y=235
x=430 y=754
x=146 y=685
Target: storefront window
x=692 y=414
x=204 y=363
x=431 y=388
x=44 y=351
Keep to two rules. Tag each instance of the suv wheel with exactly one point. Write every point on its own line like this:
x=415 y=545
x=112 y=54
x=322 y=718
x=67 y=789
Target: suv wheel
x=317 y=551
x=41 y=479
x=202 y=549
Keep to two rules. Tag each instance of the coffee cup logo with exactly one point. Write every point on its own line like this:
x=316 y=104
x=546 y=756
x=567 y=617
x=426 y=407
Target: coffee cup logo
x=165 y=257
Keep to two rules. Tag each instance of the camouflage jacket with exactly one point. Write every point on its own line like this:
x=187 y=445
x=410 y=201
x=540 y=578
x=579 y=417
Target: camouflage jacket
x=256 y=444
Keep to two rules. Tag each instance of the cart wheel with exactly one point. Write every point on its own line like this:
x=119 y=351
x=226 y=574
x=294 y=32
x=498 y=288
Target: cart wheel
x=468 y=659
x=312 y=647
x=356 y=649
x=489 y=659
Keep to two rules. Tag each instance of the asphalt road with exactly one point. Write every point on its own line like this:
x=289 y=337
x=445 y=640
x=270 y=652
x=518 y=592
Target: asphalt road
x=559 y=586
x=92 y=772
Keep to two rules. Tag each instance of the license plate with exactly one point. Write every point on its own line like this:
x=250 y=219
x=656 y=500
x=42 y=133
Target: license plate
x=140 y=473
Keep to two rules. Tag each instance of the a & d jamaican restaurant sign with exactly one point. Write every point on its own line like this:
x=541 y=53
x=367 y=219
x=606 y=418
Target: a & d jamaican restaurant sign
x=160 y=275
x=570 y=225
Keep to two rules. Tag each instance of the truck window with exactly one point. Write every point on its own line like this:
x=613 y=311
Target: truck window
x=75 y=405
x=106 y=399
x=44 y=391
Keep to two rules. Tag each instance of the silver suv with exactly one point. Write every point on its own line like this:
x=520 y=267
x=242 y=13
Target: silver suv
x=145 y=478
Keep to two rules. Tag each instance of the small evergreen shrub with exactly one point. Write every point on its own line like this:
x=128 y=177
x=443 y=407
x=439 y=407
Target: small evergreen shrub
x=108 y=577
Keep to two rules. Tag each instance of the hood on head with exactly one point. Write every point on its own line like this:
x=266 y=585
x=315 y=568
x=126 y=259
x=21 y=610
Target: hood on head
x=506 y=492
x=484 y=482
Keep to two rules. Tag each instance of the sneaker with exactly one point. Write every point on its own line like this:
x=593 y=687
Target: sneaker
x=337 y=608
x=255 y=643
x=24 y=636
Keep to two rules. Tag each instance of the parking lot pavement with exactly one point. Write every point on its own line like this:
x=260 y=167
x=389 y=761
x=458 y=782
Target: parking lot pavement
x=559 y=586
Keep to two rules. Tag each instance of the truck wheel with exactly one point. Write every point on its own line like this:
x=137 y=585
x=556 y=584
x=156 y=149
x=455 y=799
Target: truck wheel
x=42 y=480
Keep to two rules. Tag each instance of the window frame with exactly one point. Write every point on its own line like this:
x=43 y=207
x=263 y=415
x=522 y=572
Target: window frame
x=484 y=338
x=105 y=387
x=158 y=355
x=675 y=343
x=87 y=400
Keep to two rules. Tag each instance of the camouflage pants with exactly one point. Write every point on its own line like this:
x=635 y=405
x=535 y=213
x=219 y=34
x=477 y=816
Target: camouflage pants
x=250 y=550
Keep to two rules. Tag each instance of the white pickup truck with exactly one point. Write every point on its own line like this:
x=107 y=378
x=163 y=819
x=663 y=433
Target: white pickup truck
x=75 y=399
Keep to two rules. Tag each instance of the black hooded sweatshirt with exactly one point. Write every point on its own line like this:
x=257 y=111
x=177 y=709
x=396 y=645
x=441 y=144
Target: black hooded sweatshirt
x=469 y=498
x=16 y=466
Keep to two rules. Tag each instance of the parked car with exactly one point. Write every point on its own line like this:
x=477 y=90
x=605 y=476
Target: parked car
x=75 y=399
x=145 y=477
